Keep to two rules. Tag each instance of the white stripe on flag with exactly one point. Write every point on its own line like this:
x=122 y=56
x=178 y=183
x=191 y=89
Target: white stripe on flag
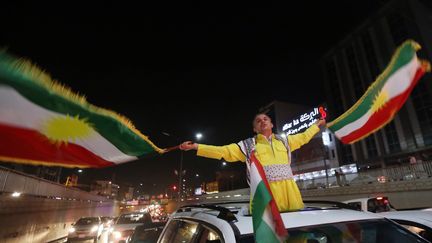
x=17 y=111
x=255 y=179
x=268 y=219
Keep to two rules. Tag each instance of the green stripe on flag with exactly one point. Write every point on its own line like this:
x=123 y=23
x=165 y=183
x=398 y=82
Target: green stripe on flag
x=264 y=234
x=38 y=87
x=403 y=56
x=260 y=201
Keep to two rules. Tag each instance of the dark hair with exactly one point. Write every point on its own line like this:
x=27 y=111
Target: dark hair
x=257 y=114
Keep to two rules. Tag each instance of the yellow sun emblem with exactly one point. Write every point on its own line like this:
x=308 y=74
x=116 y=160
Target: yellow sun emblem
x=379 y=101
x=65 y=129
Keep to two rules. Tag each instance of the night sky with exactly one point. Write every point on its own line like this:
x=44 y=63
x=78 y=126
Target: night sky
x=182 y=68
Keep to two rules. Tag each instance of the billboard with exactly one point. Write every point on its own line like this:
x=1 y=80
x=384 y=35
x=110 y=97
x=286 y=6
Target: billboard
x=305 y=120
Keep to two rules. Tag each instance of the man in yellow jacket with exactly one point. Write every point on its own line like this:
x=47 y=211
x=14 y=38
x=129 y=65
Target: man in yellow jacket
x=273 y=152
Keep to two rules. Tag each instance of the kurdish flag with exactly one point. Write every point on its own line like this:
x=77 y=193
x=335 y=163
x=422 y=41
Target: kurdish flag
x=267 y=221
x=383 y=98
x=44 y=123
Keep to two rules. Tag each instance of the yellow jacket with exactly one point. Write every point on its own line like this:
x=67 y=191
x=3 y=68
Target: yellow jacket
x=265 y=152
x=274 y=158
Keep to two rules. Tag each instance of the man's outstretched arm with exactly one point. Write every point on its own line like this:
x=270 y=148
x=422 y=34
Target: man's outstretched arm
x=230 y=153
x=298 y=140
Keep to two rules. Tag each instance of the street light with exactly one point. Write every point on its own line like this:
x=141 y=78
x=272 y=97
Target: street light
x=180 y=172
x=79 y=171
x=198 y=136
x=326 y=143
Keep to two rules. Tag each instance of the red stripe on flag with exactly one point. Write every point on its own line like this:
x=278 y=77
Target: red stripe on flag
x=24 y=144
x=277 y=219
x=383 y=115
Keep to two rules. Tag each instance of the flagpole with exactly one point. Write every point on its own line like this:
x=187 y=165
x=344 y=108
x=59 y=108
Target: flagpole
x=171 y=148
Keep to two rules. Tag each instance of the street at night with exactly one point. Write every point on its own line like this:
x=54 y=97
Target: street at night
x=213 y=122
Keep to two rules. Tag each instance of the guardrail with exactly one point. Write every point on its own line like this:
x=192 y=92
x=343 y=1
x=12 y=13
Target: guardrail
x=417 y=171
x=14 y=181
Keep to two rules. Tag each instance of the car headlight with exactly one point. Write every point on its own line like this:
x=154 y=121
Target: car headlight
x=72 y=229
x=117 y=234
x=94 y=228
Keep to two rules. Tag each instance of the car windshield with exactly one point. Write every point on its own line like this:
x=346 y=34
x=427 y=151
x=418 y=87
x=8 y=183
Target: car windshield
x=134 y=218
x=87 y=221
x=106 y=219
x=371 y=231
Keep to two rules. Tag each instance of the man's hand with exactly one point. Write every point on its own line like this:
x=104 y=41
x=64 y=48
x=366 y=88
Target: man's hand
x=321 y=122
x=188 y=145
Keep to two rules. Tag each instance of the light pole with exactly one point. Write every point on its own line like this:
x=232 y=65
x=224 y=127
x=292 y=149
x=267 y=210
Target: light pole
x=325 y=143
x=198 y=136
x=180 y=176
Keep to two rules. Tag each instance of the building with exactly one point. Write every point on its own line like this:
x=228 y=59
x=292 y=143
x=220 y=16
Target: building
x=228 y=180
x=288 y=119
x=105 y=188
x=126 y=192
x=355 y=62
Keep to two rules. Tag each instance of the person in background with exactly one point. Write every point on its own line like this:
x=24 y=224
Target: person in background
x=338 y=177
x=273 y=152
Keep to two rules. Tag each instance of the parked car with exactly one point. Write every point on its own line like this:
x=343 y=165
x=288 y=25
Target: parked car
x=86 y=228
x=371 y=204
x=147 y=233
x=125 y=225
x=317 y=222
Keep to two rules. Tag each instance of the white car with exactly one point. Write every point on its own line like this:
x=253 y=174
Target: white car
x=86 y=228
x=125 y=226
x=317 y=222
x=371 y=204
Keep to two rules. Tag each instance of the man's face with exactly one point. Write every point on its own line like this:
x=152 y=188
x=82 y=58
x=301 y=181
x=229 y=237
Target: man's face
x=262 y=124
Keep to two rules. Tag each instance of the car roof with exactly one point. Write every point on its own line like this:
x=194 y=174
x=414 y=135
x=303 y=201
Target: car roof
x=311 y=215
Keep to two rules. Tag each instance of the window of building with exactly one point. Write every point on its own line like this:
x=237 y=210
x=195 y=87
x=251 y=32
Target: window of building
x=392 y=138
x=371 y=146
x=355 y=73
x=422 y=101
x=370 y=56
x=333 y=154
x=334 y=88
x=346 y=153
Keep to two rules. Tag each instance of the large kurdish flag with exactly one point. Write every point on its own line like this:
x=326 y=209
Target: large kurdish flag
x=44 y=123
x=267 y=221
x=383 y=98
